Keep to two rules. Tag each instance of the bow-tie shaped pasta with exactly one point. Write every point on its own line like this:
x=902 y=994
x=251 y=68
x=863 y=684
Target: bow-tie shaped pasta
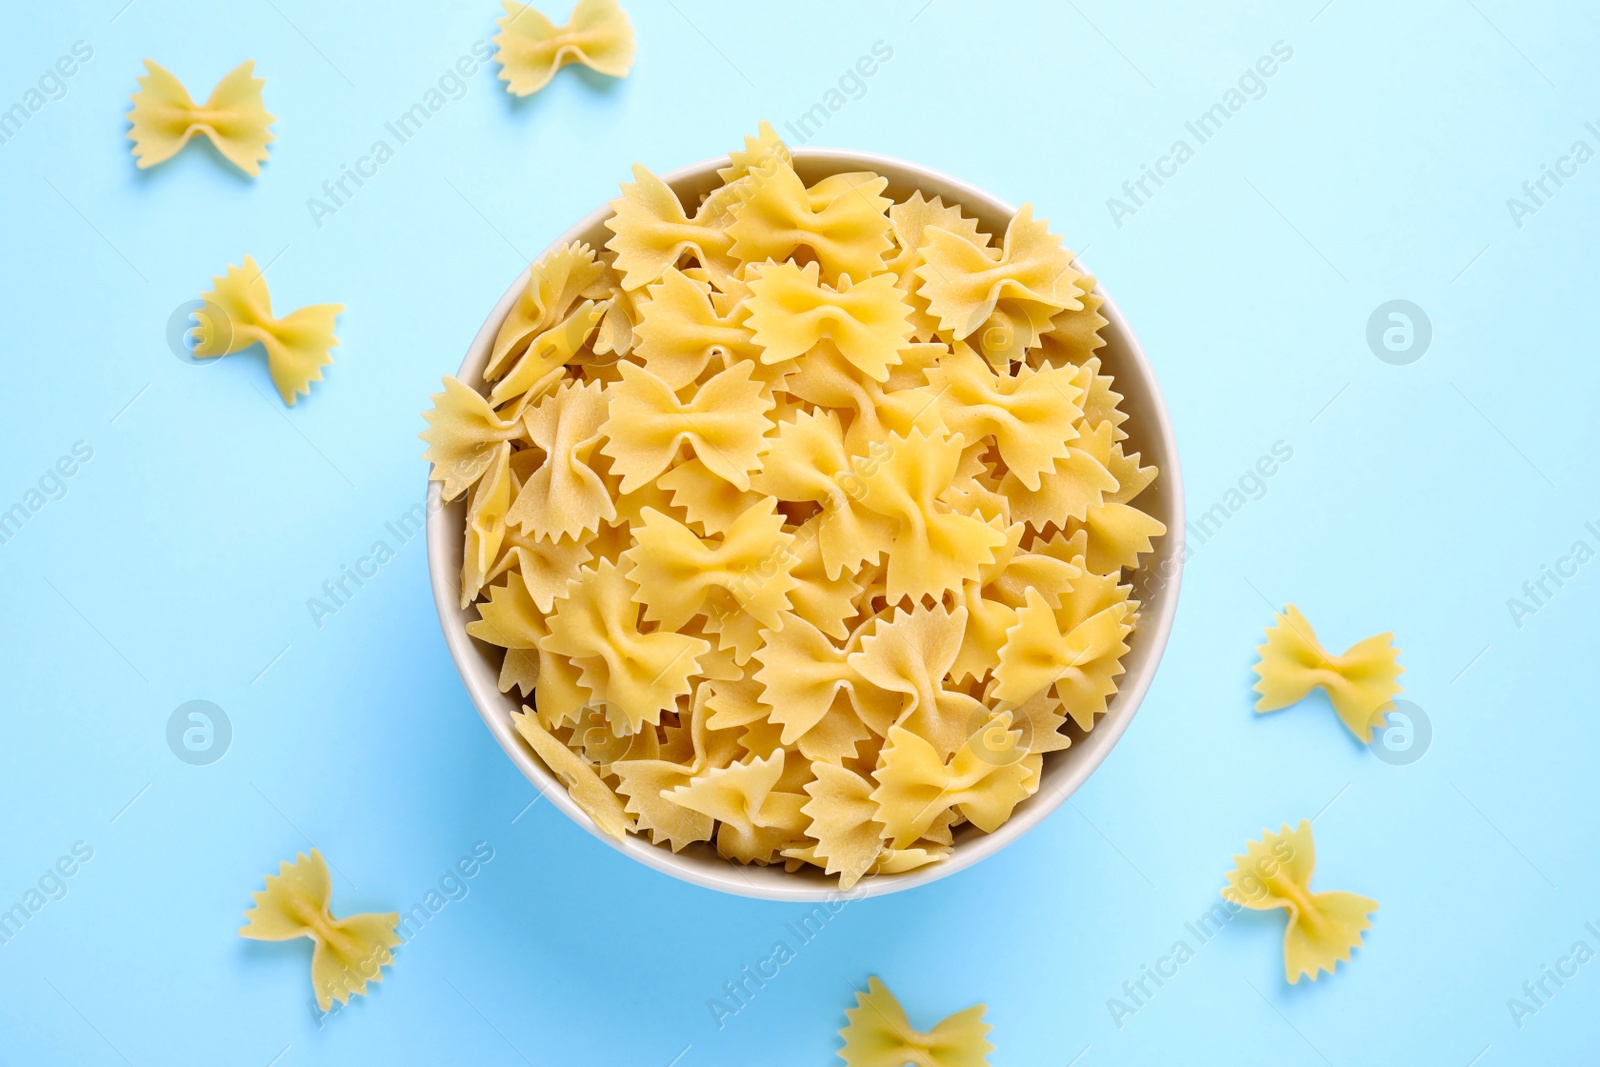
x=1000 y=589
x=843 y=822
x=635 y=675
x=916 y=785
x=807 y=462
x=829 y=602
x=587 y=789
x=564 y=497
x=1070 y=487
x=462 y=433
x=347 y=953
x=1075 y=335
x=543 y=363
x=1029 y=415
x=676 y=571
x=909 y=653
x=513 y=618
x=803 y=676
x=680 y=331
x=762 y=152
x=165 y=118
x=487 y=505
x=963 y=281
x=555 y=284
x=910 y=221
x=880 y=1035
x=651 y=232
x=705 y=500
x=791 y=312
x=725 y=424
x=1118 y=532
x=841 y=220
x=649 y=784
x=1360 y=683
x=1275 y=872
x=1078 y=654
x=530 y=48
x=757 y=820
x=237 y=313
x=933 y=550
x=826 y=379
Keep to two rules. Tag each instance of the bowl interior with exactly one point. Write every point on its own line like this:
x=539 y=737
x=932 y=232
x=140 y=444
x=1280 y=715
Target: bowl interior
x=1156 y=584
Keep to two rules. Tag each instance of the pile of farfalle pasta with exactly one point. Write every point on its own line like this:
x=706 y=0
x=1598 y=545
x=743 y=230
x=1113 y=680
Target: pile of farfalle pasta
x=802 y=514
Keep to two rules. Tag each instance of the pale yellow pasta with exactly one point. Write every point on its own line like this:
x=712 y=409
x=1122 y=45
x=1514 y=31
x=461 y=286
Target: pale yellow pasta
x=237 y=313
x=346 y=954
x=1360 y=683
x=530 y=48
x=233 y=118
x=800 y=563
x=880 y=1035
x=1324 y=927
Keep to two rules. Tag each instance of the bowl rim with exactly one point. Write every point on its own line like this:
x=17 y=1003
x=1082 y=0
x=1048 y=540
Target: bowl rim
x=759 y=882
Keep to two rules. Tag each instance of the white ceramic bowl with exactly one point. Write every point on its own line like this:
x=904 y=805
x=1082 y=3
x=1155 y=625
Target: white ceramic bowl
x=1149 y=432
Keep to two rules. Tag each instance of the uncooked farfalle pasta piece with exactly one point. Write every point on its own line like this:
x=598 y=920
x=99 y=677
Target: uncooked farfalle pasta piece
x=586 y=787
x=880 y=1035
x=634 y=674
x=237 y=313
x=983 y=781
x=530 y=48
x=841 y=221
x=1275 y=872
x=794 y=571
x=462 y=433
x=165 y=118
x=964 y=281
x=347 y=954
x=791 y=312
x=1361 y=683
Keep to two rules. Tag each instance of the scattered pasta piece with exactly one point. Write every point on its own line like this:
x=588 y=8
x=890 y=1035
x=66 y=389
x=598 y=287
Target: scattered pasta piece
x=1275 y=872
x=237 y=313
x=165 y=118
x=530 y=48
x=880 y=1035
x=348 y=952
x=799 y=572
x=1360 y=683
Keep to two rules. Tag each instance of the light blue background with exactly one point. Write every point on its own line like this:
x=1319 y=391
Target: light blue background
x=1419 y=498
